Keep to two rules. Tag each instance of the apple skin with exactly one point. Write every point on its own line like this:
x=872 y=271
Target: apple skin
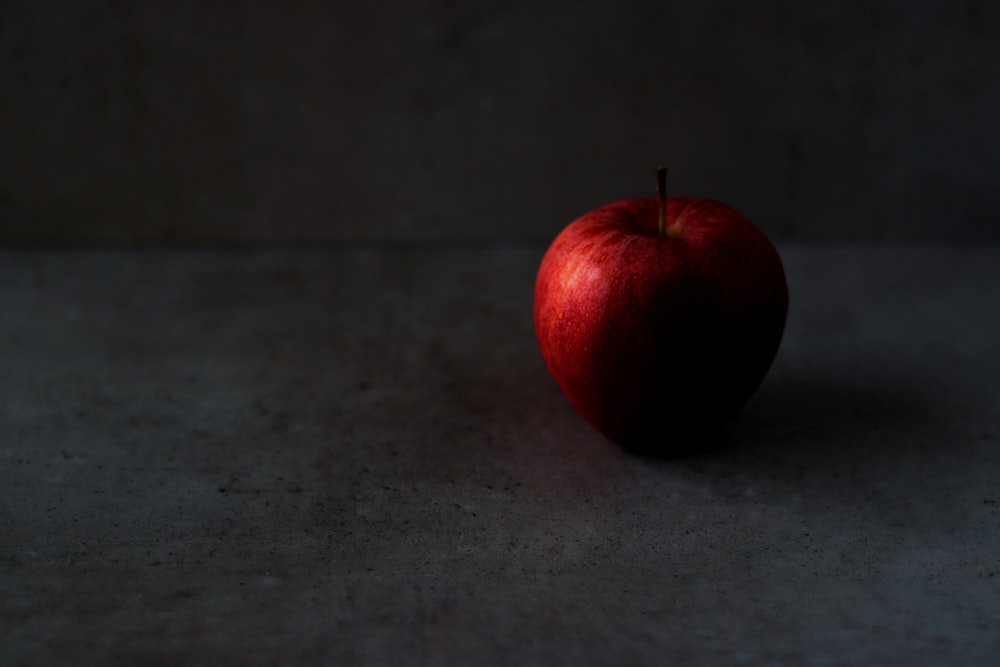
x=659 y=341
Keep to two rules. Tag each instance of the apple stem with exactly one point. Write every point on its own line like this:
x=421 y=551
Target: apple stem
x=661 y=194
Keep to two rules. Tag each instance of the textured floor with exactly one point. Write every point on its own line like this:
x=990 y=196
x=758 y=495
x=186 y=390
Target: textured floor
x=357 y=457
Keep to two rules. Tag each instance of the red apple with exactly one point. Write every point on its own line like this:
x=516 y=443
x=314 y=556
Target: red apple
x=659 y=318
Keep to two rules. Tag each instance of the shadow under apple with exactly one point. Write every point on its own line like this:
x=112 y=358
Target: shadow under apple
x=810 y=416
x=790 y=410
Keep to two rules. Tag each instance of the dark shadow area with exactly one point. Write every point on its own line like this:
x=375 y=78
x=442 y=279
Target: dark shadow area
x=825 y=409
x=824 y=425
x=706 y=436
x=799 y=412
x=868 y=446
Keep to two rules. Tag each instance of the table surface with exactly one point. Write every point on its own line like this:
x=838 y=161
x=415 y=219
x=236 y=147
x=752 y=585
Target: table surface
x=356 y=456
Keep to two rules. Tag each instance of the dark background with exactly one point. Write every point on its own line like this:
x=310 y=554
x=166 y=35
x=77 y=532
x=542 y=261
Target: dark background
x=490 y=121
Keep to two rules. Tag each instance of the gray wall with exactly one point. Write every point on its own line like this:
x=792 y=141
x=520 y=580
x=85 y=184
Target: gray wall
x=465 y=120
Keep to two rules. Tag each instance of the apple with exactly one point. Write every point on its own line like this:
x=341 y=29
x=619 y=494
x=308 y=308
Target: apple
x=659 y=318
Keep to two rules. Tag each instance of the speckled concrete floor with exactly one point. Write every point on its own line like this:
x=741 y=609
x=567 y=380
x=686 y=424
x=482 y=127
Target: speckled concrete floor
x=356 y=456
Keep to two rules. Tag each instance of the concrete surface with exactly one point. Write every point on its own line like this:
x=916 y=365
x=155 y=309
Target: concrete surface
x=261 y=120
x=356 y=456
